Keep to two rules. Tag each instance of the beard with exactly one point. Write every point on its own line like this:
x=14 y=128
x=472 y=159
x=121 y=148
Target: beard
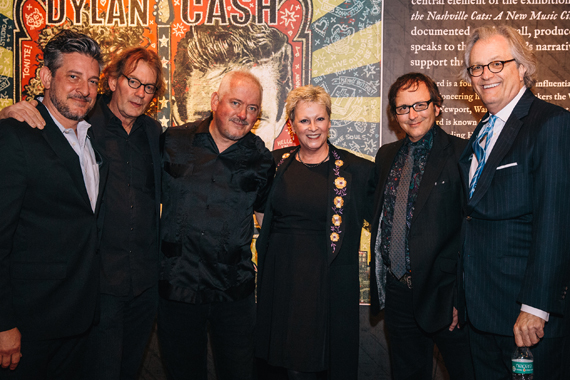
x=63 y=108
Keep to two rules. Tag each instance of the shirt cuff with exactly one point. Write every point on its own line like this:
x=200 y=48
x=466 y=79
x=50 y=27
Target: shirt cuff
x=536 y=312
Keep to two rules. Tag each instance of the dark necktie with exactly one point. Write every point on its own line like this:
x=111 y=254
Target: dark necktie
x=480 y=146
x=398 y=236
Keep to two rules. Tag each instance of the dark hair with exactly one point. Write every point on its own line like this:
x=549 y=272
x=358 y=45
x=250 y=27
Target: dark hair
x=68 y=41
x=410 y=80
x=209 y=47
x=126 y=62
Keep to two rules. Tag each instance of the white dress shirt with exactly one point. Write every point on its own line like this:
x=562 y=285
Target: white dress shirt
x=81 y=144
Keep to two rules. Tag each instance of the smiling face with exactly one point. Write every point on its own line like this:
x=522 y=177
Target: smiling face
x=235 y=111
x=496 y=89
x=416 y=124
x=128 y=103
x=72 y=90
x=312 y=124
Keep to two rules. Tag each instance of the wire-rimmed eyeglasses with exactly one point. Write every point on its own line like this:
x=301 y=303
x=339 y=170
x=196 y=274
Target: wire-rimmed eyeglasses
x=494 y=67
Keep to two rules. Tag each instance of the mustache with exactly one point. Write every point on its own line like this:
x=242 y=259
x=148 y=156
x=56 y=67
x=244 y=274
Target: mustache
x=79 y=97
x=239 y=121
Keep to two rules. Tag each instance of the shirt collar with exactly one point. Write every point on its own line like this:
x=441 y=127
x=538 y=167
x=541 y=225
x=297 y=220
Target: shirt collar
x=506 y=112
x=82 y=126
x=425 y=142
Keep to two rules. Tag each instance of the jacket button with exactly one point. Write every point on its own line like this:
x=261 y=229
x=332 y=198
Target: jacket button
x=468 y=218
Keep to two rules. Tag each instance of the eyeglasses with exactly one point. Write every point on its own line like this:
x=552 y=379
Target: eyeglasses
x=419 y=106
x=494 y=67
x=135 y=83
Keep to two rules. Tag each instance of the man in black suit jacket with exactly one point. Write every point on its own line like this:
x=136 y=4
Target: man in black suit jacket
x=515 y=260
x=419 y=293
x=129 y=141
x=52 y=181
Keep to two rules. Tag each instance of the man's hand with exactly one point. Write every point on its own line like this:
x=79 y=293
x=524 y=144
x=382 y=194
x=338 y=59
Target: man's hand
x=10 y=348
x=529 y=329
x=455 y=322
x=26 y=112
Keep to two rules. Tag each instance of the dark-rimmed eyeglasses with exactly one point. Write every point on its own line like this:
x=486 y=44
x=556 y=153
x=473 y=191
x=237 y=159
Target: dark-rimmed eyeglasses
x=135 y=83
x=418 y=107
x=494 y=67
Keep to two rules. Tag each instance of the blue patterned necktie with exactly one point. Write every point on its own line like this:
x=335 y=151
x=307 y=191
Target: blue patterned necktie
x=398 y=236
x=480 y=148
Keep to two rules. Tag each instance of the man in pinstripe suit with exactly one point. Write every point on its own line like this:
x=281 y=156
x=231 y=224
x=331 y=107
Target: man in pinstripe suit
x=516 y=252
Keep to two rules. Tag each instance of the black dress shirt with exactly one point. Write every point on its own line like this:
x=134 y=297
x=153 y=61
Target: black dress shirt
x=208 y=201
x=129 y=237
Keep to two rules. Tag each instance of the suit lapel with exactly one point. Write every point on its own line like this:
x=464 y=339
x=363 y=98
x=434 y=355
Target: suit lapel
x=502 y=146
x=64 y=151
x=387 y=159
x=435 y=164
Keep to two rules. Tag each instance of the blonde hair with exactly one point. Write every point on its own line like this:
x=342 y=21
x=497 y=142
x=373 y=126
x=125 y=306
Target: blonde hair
x=308 y=93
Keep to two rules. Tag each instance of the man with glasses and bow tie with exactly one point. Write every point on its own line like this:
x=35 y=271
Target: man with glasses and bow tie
x=516 y=251
x=129 y=141
x=416 y=236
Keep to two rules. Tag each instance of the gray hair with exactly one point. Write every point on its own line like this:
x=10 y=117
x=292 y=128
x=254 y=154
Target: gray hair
x=521 y=53
x=68 y=41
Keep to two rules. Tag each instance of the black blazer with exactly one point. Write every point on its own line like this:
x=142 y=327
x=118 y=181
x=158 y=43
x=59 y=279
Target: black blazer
x=49 y=269
x=517 y=247
x=434 y=236
x=352 y=175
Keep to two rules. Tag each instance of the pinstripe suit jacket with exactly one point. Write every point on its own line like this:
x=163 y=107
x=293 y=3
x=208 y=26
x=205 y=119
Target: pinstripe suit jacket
x=516 y=246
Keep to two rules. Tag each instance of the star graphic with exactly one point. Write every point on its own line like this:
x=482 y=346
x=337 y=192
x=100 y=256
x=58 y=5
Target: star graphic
x=289 y=17
x=179 y=30
x=163 y=102
x=319 y=61
x=369 y=70
x=164 y=41
x=164 y=121
x=164 y=62
x=369 y=147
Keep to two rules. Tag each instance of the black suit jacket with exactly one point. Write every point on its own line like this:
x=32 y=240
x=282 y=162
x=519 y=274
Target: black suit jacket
x=49 y=268
x=517 y=247
x=344 y=286
x=434 y=236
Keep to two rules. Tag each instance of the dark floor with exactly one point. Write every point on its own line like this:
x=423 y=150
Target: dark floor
x=374 y=360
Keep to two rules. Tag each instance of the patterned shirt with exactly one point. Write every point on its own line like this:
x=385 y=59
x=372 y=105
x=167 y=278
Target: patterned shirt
x=421 y=153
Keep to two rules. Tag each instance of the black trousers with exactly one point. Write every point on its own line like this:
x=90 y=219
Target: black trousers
x=54 y=359
x=411 y=348
x=492 y=356
x=183 y=338
x=116 y=345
